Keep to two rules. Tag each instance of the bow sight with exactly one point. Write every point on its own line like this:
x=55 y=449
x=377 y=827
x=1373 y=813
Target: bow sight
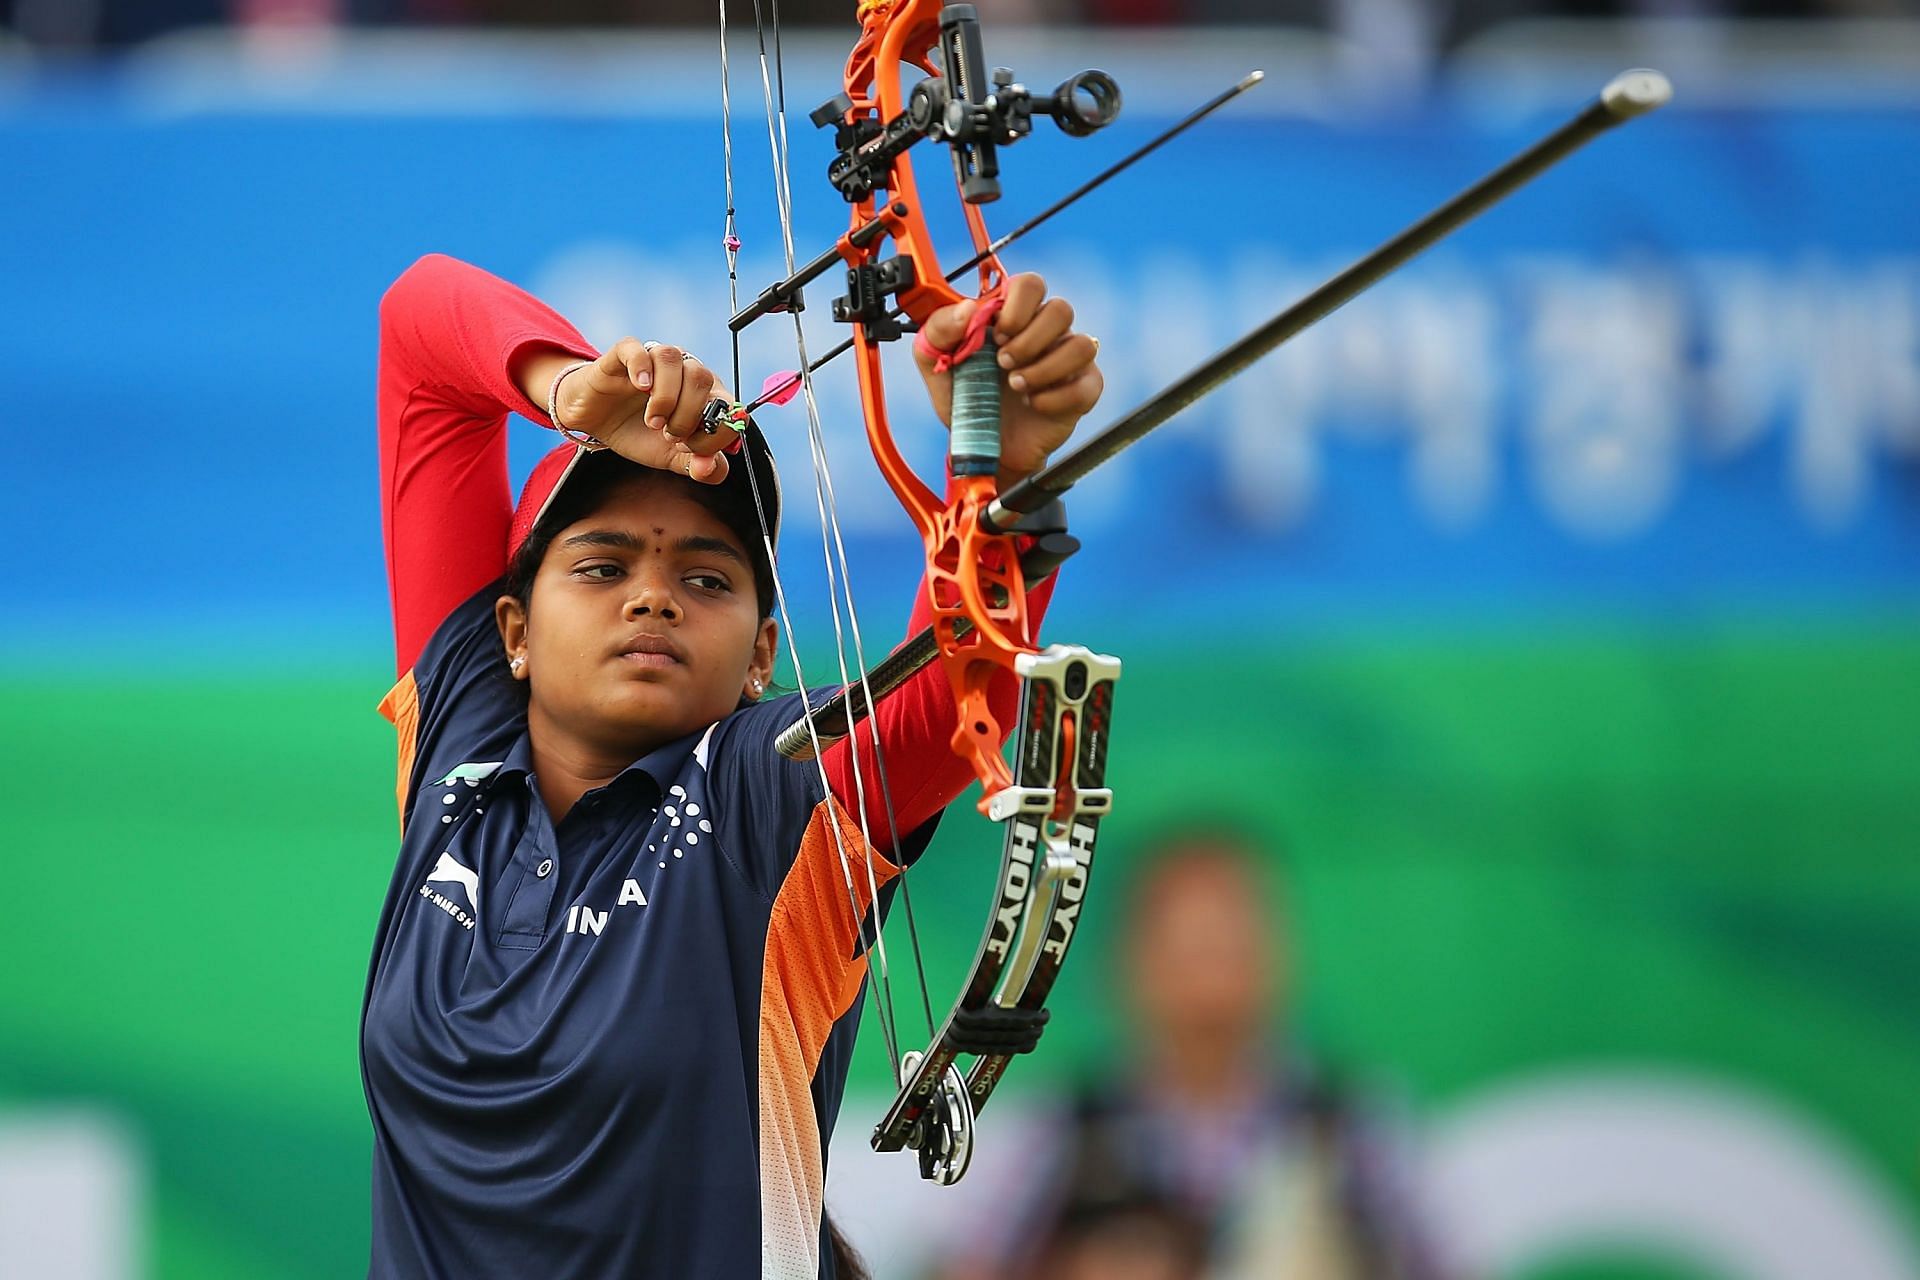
x=953 y=107
x=956 y=108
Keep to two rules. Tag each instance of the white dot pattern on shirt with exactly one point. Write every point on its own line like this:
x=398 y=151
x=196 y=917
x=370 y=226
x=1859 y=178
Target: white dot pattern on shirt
x=677 y=816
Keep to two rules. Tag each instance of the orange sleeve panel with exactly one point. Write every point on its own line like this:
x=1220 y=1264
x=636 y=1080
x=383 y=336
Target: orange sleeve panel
x=402 y=707
x=811 y=976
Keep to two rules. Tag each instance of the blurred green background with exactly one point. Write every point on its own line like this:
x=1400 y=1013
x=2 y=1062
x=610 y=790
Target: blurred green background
x=1505 y=857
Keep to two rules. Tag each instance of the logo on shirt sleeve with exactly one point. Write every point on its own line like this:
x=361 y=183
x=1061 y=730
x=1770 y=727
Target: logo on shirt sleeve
x=449 y=872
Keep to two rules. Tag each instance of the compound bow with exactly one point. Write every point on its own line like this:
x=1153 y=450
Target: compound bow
x=985 y=548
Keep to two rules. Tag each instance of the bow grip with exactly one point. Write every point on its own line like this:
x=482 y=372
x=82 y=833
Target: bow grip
x=974 y=447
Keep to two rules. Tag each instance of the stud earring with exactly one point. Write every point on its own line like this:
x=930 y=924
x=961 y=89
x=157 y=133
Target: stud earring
x=517 y=663
x=758 y=684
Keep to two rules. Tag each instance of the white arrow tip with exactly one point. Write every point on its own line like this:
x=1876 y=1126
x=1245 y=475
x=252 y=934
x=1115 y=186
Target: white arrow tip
x=1634 y=93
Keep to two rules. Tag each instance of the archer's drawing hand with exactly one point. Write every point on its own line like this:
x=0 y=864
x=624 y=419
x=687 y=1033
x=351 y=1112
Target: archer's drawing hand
x=643 y=400
x=1048 y=378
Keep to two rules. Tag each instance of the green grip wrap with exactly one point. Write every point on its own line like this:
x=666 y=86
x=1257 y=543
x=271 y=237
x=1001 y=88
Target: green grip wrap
x=975 y=446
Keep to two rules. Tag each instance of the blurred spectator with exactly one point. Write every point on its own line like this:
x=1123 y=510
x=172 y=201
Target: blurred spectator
x=1216 y=1152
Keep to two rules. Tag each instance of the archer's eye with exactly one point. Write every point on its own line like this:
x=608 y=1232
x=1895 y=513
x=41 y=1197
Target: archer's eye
x=709 y=582
x=599 y=572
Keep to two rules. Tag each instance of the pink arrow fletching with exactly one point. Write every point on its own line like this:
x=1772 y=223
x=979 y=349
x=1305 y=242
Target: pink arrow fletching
x=780 y=387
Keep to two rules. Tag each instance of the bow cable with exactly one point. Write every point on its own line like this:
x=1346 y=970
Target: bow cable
x=825 y=478
x=871 y=939
x=774 y=92
x=868 y=943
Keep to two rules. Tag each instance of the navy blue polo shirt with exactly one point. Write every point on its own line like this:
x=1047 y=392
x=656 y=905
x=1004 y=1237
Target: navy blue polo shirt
x=615 y=1046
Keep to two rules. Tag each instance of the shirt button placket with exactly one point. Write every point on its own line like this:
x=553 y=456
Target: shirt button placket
x=527 y=914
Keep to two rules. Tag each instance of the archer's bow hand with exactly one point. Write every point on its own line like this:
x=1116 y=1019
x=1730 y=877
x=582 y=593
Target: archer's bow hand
x=644 y=400
x=1048 y=377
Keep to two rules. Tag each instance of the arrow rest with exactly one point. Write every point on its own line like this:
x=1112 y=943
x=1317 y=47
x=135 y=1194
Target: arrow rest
x=1051 y=814
x=869 y=285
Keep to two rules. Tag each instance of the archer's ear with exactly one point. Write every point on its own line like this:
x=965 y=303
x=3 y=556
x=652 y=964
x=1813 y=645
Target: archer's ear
x=510 y=616
x=766 y=648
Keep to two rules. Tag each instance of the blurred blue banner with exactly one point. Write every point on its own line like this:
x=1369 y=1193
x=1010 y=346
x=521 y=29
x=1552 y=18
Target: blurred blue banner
x=1680 y=373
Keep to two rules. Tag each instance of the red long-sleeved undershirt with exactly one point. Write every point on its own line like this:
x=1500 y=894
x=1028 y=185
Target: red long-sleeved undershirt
x=450 y=335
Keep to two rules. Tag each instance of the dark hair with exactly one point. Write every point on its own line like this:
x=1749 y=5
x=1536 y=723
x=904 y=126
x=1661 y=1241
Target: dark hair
x=596 y=475
x=847 y=1263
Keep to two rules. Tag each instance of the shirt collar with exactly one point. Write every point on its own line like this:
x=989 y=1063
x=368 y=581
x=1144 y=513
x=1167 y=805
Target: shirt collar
x=659 y=766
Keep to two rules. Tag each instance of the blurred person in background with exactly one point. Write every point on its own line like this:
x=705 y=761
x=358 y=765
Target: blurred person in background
x=1218 y=1151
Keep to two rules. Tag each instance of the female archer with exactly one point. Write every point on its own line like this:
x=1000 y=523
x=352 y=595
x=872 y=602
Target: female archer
x=616 y=979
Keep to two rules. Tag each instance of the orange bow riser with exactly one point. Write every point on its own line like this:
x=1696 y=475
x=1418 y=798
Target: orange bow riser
x=976 y=586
